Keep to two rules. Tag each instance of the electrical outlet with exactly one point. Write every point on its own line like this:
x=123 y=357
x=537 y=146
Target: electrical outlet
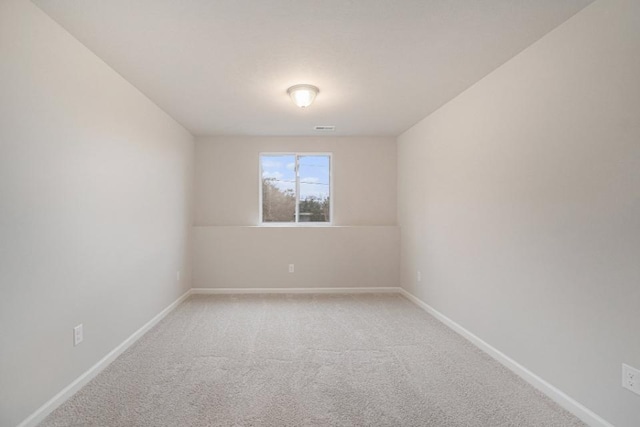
x=78 y=335
x=291 y=268
x=631 y=378
x=419 y=276
x=178 y=275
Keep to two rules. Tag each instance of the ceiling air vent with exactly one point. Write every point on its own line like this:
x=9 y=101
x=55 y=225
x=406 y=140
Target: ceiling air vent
x=325 y=128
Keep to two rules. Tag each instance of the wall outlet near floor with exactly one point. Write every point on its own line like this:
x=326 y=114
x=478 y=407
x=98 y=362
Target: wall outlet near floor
x=78 y=335
x=178 y=275
x=419 y=276
x=291 y=268
x=631 y=378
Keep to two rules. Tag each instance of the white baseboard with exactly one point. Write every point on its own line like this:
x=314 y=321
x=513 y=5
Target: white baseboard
x=42 y=412
x=357 y=290
x=562 y=399
x=580 y=411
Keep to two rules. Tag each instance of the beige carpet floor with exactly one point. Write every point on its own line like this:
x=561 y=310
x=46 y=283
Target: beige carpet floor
x=305 y=360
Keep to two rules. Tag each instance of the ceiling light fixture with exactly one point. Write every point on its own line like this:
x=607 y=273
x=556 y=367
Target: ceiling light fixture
x=303 y=95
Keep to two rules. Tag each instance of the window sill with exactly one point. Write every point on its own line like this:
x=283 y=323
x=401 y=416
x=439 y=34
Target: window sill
x=295 y=225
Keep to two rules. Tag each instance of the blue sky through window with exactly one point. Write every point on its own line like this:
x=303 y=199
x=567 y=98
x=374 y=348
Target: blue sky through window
x=280 y=170
x=314 y=174
x=314 y=177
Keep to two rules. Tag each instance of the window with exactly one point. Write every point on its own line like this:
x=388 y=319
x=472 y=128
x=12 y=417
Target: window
x=295 y=188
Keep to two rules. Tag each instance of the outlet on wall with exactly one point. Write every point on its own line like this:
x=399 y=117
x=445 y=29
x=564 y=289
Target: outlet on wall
x=291 y=268
x=631 y=378
x=419 y=276
x=178 y=275
x=78 y=335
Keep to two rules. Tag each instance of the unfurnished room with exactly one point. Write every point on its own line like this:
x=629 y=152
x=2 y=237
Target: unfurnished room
x=319 y=213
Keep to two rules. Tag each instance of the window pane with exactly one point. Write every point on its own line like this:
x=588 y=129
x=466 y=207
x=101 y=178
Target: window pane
x=314 y=188
x=278 y=188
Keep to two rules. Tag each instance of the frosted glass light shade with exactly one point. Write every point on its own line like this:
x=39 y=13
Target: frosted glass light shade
x=303 y=95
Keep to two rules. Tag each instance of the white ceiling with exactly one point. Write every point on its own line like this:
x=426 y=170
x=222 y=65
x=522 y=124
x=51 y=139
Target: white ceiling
x=222 y=67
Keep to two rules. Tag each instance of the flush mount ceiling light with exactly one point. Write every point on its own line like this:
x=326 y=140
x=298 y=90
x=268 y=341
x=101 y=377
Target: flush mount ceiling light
x=303 y=95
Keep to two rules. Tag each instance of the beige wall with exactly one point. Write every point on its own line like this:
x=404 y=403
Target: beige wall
x=519 y=201
x=364 y=176
x=229 y=251
x=336 y=257
x=94 y=209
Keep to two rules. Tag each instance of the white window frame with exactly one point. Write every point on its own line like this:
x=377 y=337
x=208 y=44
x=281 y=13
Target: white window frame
x=296 y=223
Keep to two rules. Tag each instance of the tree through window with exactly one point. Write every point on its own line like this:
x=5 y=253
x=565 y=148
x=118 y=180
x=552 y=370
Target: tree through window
x=295 y=188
